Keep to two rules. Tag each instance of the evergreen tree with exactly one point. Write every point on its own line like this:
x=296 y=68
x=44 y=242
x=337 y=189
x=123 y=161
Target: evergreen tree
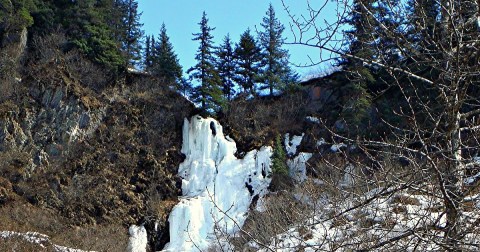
x=184 y=87
x=148 y=55
x=165 y=61
x=248 y=57
x=226 y=67
x=291 y=80
x=275 y=59
x=208 y=93
x=387 y=22
x=90 y=26
x=423 y=20
x=14 y=16
x=279 y=158
x=361 y=43
x=132 y=32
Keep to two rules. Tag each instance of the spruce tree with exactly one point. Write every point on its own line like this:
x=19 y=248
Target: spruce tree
x=91 y=26
x=226 y=67
x=275 y=58
x=423 y=20
x=209 y=92
x=147 y=57
x=279 y=158
x=14 y=16
x=361 y=44
x=248 y=57
x=165 y=61
x=132 y=32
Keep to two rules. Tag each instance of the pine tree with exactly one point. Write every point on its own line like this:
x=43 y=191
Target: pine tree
x=132 y=32
x=279 y=158
x=147 y=57
x=14 y=16
x=361 y=44
x=226 y=67
x=184 y=87
x=165 y=61
x=248 y=57
x=208 y=93
x=89 y=25
x=290 y=79
x=275 y=59
x=86 y=23
x=386 y=22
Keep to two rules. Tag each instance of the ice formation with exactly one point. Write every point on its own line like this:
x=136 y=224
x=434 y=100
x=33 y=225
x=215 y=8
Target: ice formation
x=138 y=239
x=217 y=187
x=292 y=144
x=298 y=166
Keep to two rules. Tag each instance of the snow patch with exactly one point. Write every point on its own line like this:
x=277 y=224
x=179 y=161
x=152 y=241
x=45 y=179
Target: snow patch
x=337 y=147
x=320 y=142
x=291 y=144
x=39 y=239
x=138 y=239
x=348 y=177
x=298 y=166
x=312 y=119
x=217 y=187
x=472 y=179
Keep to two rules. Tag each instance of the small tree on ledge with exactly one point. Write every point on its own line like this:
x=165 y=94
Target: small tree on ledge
x=279 y=158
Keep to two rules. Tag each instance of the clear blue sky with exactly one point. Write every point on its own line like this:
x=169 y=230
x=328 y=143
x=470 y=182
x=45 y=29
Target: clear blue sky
x=181 y=18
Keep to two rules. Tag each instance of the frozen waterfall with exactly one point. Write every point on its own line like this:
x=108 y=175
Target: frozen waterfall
x=217 y=187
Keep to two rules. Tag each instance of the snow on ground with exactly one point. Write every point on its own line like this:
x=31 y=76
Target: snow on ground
x=312 y=119
x=291 y=144
x=337 y=147
x=380 y=220
x=472 y=179
x=138 y=239
x=320 y=142
x=39 y=239
x=217 y=187
x=348 y=176
x=298 y=166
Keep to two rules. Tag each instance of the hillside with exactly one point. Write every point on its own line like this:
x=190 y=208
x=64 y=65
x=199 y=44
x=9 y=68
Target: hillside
x=79 y=151
x=108 y=144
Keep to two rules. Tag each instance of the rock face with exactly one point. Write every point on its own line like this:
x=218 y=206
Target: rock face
x=217 y=187
x=91 y=156
x=49 y=127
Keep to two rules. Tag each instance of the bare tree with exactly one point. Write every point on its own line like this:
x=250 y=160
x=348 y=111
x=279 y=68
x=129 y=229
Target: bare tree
x=437 y=74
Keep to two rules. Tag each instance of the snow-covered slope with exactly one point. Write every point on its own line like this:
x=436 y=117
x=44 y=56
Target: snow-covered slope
x=43 y=241
x=217 y=187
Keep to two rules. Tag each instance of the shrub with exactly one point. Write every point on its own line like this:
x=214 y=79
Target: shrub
x=279 y=158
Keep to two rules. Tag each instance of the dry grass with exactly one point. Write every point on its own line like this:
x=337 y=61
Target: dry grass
x=24 y=217
x=15 y=244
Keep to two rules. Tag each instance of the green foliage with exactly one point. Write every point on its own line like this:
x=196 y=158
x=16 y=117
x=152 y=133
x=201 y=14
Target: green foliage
x=226 y=66
x=248 y=57
x=164 y=61
x=209 y=93
x=279 y=158
x=15 y=15
x=130 y=31
x=148 y=53
x=275 y=58
x=100 y=48
x=356 y=92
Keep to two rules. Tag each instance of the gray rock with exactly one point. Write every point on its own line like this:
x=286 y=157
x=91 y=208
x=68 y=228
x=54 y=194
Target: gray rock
x=57 y=98
x=84 y=121
x=47 y=97
x=54 y=150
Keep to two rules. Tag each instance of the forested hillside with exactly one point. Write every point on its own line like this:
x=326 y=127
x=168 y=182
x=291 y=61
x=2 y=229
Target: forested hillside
x=101 y=129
